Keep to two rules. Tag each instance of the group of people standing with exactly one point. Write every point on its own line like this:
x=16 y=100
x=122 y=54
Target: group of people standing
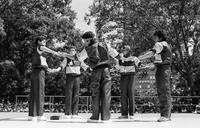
x=97 y=56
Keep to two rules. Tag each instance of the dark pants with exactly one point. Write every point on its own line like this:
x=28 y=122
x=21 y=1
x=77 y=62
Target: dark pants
x=101 y=93
x=162 y=75
x=72 y=95
x=36 y=106
x=127 y=94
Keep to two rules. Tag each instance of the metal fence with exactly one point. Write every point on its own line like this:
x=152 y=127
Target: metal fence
x=143 y=103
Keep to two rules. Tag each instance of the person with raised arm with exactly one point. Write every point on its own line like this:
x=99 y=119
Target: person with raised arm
x=162 y=54
x=39 y=67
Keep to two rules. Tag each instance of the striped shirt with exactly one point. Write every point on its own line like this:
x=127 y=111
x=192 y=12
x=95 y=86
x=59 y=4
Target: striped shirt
x=128 y=65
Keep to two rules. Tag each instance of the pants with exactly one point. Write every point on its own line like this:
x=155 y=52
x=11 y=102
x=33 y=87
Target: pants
x=101 y=93
x=36 y=106
x=72 y=95
x=127 y=94
x=162 y=75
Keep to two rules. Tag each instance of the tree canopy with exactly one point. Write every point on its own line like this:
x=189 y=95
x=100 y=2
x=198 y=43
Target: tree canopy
x=138 y=19
x=21 y=21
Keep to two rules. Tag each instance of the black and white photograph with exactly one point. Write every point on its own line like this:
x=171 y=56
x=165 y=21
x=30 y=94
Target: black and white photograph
x=99 y=63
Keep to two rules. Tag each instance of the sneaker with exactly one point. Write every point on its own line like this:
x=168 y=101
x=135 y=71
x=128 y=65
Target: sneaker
x=92 y=121
x=76 y=117
x=131 y=117
x=67 y=116
x=42 y=118
x=123 y=117
x=32 y=118
x=163 y=119
x=106 y=121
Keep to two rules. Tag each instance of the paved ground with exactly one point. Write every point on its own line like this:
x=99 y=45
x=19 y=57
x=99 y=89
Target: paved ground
x=19 y=120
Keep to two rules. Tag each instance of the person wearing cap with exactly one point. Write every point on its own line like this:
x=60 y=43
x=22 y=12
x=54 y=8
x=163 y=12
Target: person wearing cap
x=72 y=68
x=39 y=67
x=98 y=58
x=127 y=68
x=162 y=54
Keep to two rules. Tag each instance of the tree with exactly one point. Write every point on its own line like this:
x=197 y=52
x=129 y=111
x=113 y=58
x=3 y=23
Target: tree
x=181 y=22
x=140 y=18
x=23 y=21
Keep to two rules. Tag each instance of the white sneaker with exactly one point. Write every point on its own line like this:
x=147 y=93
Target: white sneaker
x=163 y=119
x=92 y=121
x=67 y=117
x=32 y=118
x=106 y=121
x=76 y=117
x=42 y=118
x=131 y=117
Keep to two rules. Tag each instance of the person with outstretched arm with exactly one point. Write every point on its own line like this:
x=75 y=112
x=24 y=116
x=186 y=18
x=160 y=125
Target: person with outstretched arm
x=162 y=54
x=39 y=67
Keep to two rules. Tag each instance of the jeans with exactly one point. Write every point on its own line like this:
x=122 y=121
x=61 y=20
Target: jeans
x=162 y=75
x=36 y=105
x=127 y=94
x=72 y=95
x=101 y=93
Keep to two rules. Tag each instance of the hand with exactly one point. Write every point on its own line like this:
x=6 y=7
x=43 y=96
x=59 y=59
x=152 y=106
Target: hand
x=149 y=66
x=56 y=53
x=85 y=67
x=49 y=70
x=142 y=66
x=53 y=70
x=121 y=55
x=61 y=54
x=152 y=66
x=89 y=69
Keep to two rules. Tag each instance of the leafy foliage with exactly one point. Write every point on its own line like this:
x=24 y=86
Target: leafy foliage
x=140 y=18
x=21 y=21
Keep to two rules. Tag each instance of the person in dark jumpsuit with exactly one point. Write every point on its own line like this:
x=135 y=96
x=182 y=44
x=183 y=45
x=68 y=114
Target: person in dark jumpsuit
x=72 y=69
x=127 y=68
x=98 y=59
x=162 y=54
x=39 y=67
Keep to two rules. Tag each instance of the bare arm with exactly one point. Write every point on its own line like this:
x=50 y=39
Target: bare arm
x=45 y=49
x=50 y=70
x=65 y=55
x=158 y=47
x=147 y=55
